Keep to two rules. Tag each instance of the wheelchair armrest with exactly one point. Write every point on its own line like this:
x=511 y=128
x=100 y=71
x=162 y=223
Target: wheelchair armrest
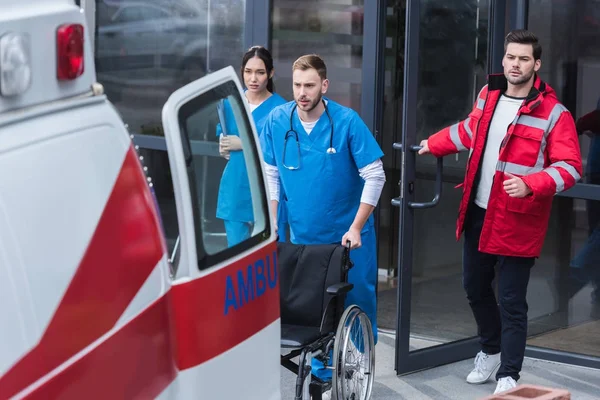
x=339 y=288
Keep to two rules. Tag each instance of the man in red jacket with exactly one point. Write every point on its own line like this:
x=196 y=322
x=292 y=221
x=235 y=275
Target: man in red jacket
x=523 y=150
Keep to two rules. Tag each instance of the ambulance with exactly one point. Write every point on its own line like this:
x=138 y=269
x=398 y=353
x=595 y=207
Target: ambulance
x=96 y=302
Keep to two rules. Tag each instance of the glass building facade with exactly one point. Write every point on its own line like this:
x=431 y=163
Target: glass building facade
x=409 y=67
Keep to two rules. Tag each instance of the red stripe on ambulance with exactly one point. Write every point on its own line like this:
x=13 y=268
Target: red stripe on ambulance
x=125 y=248
x=134 y=363
x=139 y=361
x=191 y=324
x=208 y=323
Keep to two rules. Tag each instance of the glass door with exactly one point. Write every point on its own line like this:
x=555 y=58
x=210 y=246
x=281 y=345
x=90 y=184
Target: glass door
x=445 y=65
x=564 y=289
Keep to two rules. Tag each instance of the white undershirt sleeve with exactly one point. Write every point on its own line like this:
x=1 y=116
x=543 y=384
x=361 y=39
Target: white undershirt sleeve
x=374 y=177
x=272 y=181
x=373 y=174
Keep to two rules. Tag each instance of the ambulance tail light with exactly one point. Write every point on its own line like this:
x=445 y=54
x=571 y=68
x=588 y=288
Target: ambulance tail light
x=15 y=64
x=69 y=54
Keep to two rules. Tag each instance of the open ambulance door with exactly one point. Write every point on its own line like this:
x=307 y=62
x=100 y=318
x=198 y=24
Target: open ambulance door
x=225 y=292
x=192 y=120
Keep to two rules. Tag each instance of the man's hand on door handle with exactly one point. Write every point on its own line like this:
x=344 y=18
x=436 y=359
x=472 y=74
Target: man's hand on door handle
x=425 y=149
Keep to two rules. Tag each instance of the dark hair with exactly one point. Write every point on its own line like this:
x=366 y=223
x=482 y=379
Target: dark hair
x=522 y=36
x=311 y=61
x=265 y=56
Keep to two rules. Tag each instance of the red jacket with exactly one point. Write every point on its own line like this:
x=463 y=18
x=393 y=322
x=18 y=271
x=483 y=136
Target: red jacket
x=540 y=146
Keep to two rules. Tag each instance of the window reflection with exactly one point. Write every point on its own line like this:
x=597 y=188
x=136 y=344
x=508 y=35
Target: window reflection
x=330 y=28
x=145 y=50
x=452 y=68
x=564 y=289
x=227 y=193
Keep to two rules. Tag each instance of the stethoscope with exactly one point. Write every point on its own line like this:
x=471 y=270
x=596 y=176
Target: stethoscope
x=291 y=132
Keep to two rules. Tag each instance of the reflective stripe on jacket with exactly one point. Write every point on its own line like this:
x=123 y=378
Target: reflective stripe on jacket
x=541 y=147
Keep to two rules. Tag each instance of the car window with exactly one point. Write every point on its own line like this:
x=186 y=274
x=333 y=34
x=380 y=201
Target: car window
x=150 y=13
x=129 y=14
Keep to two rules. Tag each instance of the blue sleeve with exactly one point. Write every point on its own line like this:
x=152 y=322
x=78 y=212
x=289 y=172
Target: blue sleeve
x=266 y=141
x=230 y=123
x=219 y=128
x=365 y=149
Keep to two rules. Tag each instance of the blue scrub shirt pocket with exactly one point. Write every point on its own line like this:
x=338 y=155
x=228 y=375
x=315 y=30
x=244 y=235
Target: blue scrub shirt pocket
x=335 y=163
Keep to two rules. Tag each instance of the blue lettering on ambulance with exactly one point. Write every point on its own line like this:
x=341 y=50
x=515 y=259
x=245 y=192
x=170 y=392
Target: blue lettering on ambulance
x=272 y=281
x=245 y=286
x=261 y=281
x=251 y=283
x=229 y=295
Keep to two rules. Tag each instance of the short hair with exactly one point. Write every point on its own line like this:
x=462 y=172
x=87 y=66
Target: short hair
x=523 y=36
x=311 y=61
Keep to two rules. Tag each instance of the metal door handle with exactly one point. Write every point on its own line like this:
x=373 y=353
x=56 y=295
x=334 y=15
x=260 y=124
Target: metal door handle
x=438 y=181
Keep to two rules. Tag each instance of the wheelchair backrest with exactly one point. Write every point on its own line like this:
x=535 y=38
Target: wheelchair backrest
x=305 y=273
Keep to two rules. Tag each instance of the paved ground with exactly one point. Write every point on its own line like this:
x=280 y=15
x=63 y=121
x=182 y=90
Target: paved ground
x=448 y=382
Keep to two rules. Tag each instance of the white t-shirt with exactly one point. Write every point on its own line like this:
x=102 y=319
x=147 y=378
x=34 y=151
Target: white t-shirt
x=252 y=106
x=308 y=126
x=505 y=113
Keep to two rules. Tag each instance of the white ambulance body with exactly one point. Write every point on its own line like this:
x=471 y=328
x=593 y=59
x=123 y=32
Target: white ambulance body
x=92 y=305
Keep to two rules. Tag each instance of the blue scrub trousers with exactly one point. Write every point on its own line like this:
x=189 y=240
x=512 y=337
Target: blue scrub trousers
x=364 y=278
x=282 y=221
x=237 y=232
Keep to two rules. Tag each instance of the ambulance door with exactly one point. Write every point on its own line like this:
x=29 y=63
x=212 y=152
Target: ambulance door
x=205 y=182
x=225 y=293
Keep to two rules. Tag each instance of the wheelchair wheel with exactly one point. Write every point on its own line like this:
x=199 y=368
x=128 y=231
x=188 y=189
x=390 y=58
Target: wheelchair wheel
x=353 y=356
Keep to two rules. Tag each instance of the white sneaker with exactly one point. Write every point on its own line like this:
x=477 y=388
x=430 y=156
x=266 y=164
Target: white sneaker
x=326 y=395
x=485 y=365
x=505 y=384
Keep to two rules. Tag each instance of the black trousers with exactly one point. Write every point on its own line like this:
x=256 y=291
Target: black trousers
x=502 y=324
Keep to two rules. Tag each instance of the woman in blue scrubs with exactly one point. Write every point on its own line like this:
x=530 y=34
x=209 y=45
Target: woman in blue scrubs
x=234 y=205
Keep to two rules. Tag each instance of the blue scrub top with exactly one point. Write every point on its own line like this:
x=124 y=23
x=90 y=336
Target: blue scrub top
x=323 y=195
x=235 y=201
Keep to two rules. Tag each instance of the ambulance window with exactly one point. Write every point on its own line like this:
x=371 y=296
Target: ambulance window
x=226 y=182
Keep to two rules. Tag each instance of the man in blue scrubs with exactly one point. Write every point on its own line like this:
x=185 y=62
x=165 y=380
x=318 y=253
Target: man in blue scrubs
x=329 y=165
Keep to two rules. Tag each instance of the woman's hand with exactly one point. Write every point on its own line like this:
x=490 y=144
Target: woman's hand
x=222 y=151
x=230 y=143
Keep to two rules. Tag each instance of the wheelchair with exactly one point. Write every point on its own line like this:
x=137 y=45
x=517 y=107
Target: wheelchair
x=314 y=323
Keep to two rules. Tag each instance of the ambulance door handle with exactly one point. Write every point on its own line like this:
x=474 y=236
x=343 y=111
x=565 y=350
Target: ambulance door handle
x=175 y=250
x=396 y=202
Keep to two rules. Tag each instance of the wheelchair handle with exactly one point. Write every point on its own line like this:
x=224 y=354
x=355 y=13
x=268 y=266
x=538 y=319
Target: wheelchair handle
x=348 y=264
